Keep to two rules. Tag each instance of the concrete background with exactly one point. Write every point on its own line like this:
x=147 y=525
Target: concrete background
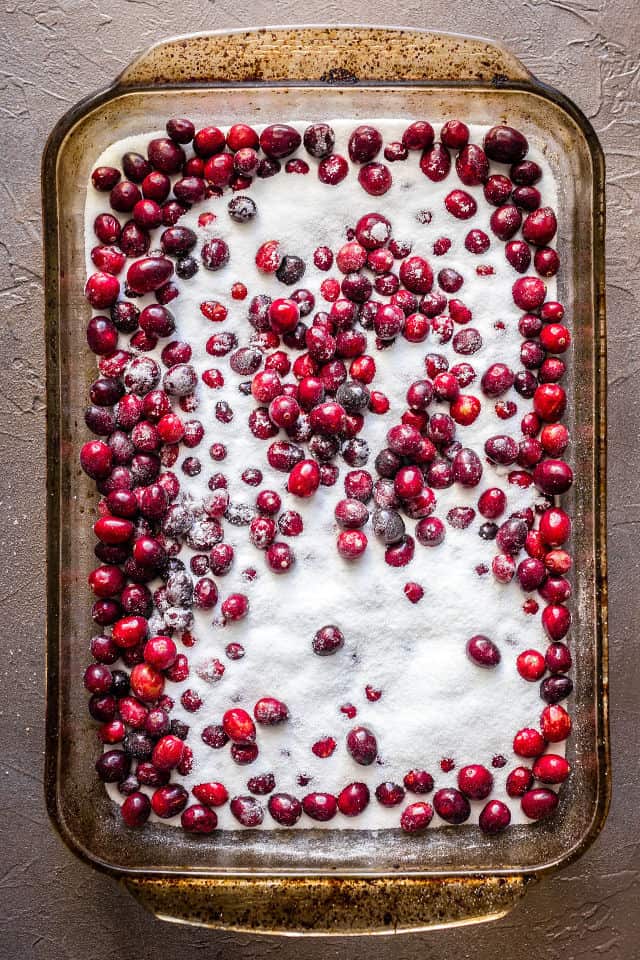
x=51 y=55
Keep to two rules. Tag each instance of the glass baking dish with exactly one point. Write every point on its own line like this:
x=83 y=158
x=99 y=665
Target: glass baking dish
x=319 y=881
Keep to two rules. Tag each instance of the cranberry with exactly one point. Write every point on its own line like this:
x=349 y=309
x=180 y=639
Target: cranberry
x=136 y=809
x=472 y=165
x=497 y=380
x=327 y=641
x=236 y=606
x=430 y=532
x=435 y=163
x=395 y=151
x=460 y=204
x=165 y=155
x=549 y=402
x=558 y=657
x=494 y=817
x=389 y=794
x=553 y=477
x=107 y=228
x=546 y=261
x=505 y=144
x=279 y=140
x=320 y=806
x=451 y=805
x=539 y=803
x=353 y=799
x=483 y=651
x=168 y=801
x=505 y=221
x=375 y=179
x=247 y=811
x=528 y=743
x=124 y=196
x=475 y=781
x=373 y=231
x=467 y=469
x=215 y=254
x=551 y=768
x=417 y=816
x=351 y=544
x=146 y=275
x=477 y=241
x=212 y=794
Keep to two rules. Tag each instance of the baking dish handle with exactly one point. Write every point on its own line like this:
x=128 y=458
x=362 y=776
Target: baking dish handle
x=339 y=55
x=329 y=906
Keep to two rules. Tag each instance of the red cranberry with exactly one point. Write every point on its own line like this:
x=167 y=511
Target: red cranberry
x=430 y=532
x=375 y=178
x=353 y=799
x=107 y=228
x=540 y=226
x=169 y=801
x=539 y=803
x=280 y=557
x=364 y=144
x=351 y=544
x=146 y=275
x=529 y=293
x=460 y=204
x=475 y=781
x=124 y=196
x=494 y=817
x=332 y=170
x=451 y=805
x=389 y=794
x=519 y=255
x=215 y=254
x=136 y=809
x=483 y=651
x=373 y=231
x=467 y=469
x=505 y=221
x=497 y=380
x=166 y=155
x=198 y=819
x=472 y=165
x=519 y=781
x=236 y=606
x=418 y=135
x=417 y=816
x=528 y=743
x=455 y=134
x=551 y=768
x=546 y=261
x=285 y=809
x=320 y=806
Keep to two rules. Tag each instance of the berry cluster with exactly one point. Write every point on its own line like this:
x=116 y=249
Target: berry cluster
x=314 y=380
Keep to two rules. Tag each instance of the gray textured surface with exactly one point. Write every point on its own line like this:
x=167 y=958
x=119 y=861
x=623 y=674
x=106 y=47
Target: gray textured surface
x=51 y=55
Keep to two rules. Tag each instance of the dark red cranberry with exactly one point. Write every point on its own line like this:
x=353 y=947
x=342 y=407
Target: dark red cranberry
x=362 y=745
x=483 y=651
x=389 y=794
x=494 y=817
x=451 y=805
x=364 y=144
x=319 y=140
x=285 y=809
x=518 y=254
x=215 y=254
x=105 y=178
x=505 y=221
x=505 y=144
x=113 y=766
x=124 y=196
x=539 y=803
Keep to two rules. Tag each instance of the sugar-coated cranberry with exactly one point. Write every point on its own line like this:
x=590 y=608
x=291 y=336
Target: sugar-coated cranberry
x=483 y=651
x=389 y=794
x=214 y=254
x=460 y=204
x=529 y=293
x=320 y=806
x=416 y=816
x=430 y=531
x=472 y=165
x=435 y=163
x=375 y=178
x=247 y=810
x=351 y=544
